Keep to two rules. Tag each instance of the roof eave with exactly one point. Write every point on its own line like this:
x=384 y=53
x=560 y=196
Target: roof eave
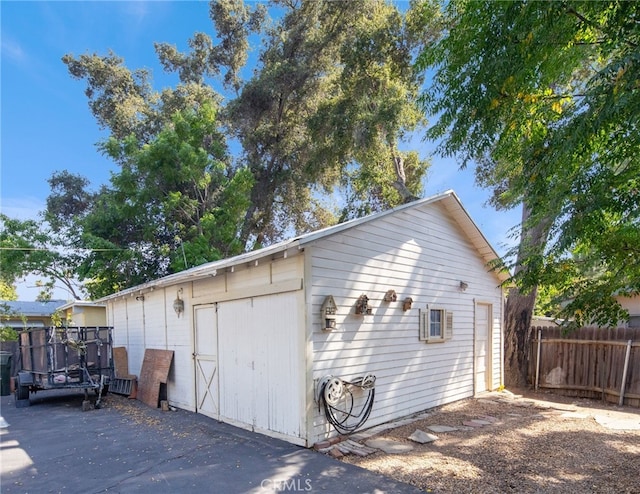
x=207 y=270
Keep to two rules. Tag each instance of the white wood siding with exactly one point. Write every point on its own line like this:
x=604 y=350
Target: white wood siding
x=148 y=320
x=420 y=253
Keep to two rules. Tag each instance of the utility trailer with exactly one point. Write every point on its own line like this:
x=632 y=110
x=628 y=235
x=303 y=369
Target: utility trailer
x=64 y=358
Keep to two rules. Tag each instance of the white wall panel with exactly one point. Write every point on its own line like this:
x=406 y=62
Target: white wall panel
x=420 y=253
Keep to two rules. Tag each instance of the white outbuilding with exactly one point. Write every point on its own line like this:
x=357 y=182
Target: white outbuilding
x=292 y=340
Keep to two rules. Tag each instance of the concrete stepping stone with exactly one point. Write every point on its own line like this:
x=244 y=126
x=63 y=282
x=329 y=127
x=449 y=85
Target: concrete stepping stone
x=422 y=437
x=351 y=447
x=487 y=402
x=574 y=415
x=475 y=423
x=523 y=404
x=617 y=423
x=389 y=445
x=488 y=418
x=482 y=421
x=510 y=394
x=441 y=428
x=563 y=408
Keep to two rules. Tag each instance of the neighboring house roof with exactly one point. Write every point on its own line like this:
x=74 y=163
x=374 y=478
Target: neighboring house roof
x=33 y=309
x=80 y=303
x=449 y=199
x=12 y=309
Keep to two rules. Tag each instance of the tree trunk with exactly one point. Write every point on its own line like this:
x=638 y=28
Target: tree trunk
x=400 y=183
x=519 y=307
x=517 y=337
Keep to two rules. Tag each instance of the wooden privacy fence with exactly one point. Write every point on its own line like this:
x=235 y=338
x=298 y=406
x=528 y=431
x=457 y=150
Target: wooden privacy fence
x=591 y=363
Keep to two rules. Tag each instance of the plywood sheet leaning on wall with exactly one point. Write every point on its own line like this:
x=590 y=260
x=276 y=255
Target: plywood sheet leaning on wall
x=155 y=371
x=121 y=362
x=124 y=383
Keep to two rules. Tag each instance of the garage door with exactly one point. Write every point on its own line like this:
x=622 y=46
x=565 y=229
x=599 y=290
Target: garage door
x=261 y=365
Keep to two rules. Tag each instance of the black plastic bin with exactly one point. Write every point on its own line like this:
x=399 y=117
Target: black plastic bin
x=5 y=373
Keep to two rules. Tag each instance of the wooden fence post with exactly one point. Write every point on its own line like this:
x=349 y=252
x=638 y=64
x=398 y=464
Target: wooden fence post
x=624 y=372
x=538 y=358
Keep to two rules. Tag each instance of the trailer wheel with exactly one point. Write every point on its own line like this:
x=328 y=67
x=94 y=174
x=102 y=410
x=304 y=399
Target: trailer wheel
x=22 y=391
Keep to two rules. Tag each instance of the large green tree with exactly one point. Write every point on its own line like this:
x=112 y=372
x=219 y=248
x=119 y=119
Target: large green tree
x=325 y=114
x=334 y=95
x=349 y=62
x=543 y=98
x=176 y=202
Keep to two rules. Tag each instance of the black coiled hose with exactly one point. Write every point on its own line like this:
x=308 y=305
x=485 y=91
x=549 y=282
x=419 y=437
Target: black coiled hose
x=333 y=389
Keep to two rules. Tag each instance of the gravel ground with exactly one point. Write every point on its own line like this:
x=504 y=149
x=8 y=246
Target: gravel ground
x=539 y=442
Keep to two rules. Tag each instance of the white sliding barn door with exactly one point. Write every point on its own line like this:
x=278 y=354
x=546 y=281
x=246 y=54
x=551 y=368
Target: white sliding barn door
x=482 y=347
x=206 y=361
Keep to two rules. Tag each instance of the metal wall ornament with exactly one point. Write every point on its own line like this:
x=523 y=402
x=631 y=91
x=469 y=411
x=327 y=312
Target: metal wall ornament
x=178 y=304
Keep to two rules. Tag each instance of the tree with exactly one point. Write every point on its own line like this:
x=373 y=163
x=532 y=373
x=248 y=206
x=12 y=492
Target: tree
x=69 y=200
x=333 y=96
x=327 y=110
x=31 y=247
x=542 y=97
x=372 y=105
x=176 y=203
x=272 y=113
x=7 y=291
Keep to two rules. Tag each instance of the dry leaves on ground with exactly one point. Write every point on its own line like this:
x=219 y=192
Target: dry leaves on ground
x=540 y=443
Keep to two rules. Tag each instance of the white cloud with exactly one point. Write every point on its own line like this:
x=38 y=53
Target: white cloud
x=138 y=10
x=12 y=50
x=27 y=208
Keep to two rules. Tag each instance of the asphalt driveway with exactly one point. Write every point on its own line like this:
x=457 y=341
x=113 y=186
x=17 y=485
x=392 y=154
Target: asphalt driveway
x=126 y=446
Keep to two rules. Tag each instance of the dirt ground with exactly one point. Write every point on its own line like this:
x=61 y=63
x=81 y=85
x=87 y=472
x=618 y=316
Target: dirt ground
x=528 y=443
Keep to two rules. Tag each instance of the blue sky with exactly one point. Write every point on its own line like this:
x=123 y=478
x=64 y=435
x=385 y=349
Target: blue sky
x=46 y=124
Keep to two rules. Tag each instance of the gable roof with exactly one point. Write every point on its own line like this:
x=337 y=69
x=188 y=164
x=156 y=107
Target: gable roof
x=448 y=199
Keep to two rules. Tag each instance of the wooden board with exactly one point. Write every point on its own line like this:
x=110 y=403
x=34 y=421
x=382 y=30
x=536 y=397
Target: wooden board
x=155 y=370
x=121 y=362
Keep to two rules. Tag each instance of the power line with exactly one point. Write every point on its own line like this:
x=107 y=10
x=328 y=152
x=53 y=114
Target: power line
x=50 y=250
